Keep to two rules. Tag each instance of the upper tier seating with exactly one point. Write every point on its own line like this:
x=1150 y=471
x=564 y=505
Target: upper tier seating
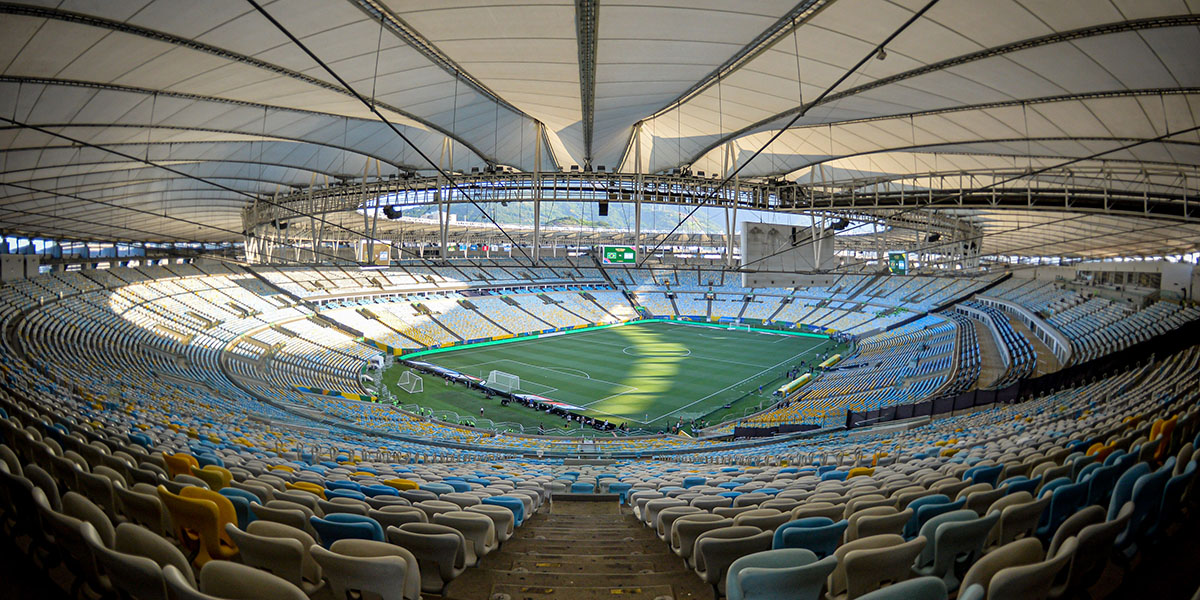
x=1095 y=326
x=1019 y=352
x=969 y=365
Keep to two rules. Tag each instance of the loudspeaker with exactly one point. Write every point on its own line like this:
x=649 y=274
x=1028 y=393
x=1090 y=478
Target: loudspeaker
x=392 y=212
x=604 y=209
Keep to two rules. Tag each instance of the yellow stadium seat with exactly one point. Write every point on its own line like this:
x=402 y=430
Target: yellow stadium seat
x=199 y=525
x=307 y=487
x=860 y=471
x=179 y=463
x=216 y=477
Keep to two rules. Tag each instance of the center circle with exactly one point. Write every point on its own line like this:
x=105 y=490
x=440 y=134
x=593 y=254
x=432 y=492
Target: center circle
x=641 y=352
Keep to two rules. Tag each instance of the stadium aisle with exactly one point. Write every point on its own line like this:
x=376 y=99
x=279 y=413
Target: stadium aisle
x=991 y=365
x=580 y=550
x=1046 y=361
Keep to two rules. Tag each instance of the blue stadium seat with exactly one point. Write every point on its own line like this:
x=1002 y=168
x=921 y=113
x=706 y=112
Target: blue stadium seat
x=343 y=526
x=819 y=538
x=513 y=504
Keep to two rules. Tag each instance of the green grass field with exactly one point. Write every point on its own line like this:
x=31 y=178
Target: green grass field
x=647 y=375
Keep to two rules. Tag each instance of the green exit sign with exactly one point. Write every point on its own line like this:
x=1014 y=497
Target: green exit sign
x=619 y=255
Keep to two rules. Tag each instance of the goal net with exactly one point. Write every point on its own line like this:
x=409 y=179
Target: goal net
x=411 y=382
x=506 y=382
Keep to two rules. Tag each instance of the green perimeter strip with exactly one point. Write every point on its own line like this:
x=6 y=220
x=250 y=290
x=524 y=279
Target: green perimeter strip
x=524 y=338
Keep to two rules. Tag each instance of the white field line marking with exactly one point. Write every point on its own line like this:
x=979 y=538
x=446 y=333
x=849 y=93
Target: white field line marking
x=628 y=391
x=553 y=370
x=791 y=358
x=586 y=375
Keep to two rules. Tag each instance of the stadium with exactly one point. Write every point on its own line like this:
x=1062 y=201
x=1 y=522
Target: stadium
x=826 y=299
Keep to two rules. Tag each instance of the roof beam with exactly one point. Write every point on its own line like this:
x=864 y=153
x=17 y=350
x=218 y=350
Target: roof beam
x=1054 y=38
x=57 y=230
x=924 y=148
x=100 y=22
x=110 y=193
x=799 y=15
x=112 y=205
x=6 y=124
x=375 y=110
x=1128 y=93
x=115 y=87
x=405 y=32
x=106 y=167
x=587 y=13
x=83 y=186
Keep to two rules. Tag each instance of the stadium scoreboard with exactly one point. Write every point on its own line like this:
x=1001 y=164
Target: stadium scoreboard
x=618 y=255
x=898 y=263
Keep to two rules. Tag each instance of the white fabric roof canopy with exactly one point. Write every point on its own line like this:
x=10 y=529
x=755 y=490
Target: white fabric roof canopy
x=92 y=91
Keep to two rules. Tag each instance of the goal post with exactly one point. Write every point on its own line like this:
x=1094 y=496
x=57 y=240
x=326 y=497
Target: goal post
x=410 y=382
x=505 y=382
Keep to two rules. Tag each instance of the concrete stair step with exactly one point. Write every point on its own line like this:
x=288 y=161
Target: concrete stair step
x=592 y=533
x=623 y=592
x=596 y=580
x=622 y=563
x=581 y=550
x=630 y=545
x=608 y=537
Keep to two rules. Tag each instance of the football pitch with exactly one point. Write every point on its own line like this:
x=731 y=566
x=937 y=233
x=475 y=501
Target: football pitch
x=647 y=375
